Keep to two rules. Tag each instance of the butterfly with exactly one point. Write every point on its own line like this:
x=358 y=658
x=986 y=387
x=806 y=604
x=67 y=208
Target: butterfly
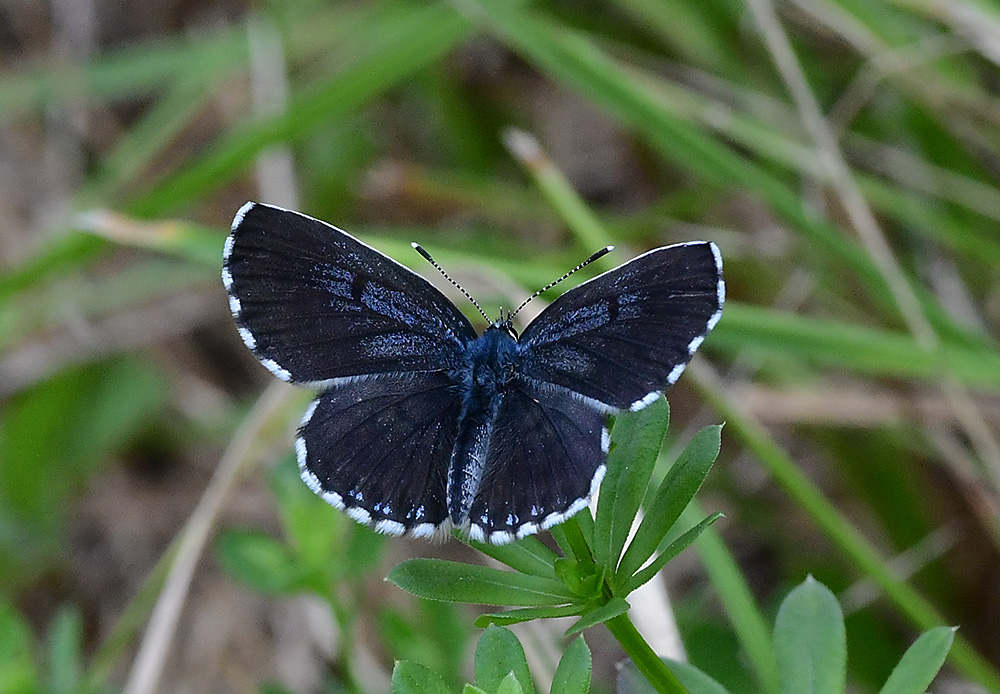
x=422 y=424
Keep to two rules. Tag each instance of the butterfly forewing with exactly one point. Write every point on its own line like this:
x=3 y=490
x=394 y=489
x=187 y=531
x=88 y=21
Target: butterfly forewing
x=378 y=448
x=626 y=335
x=315 y=304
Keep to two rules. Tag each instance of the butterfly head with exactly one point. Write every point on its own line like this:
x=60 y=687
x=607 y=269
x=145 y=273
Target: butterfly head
x=505 y=324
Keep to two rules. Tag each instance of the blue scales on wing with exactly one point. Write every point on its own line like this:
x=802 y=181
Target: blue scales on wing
x=315 y=304
x=421 y=424
x=378 y=449
x=625 y=336
x=319 y=307
x=544 y=460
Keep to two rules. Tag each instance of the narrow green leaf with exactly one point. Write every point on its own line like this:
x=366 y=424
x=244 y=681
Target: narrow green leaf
x=527 y=614
x=860 y=348
x=614 y=607
x=499 y=654
x=258 y=560
x=585 y=521
x=65 y=639
x=413 y=678
x=573 y=673
x=578 y=63
x=674 y=494
x=921 y=662
x=630 y=681
x=583 y=578
x=809 y=640
x=197 y=244
x=635 y=443
x=396 y=47
x=529 y=556
x=473 y=689
x=449 y=581
x=510 y=685
x=17 y=670
x=671 y=551
x=696 y=681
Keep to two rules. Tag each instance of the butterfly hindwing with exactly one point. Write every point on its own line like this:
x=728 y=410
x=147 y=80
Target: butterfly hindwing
x=315 y=304
x=378 y=448
x=625 y=336
x=545 y=459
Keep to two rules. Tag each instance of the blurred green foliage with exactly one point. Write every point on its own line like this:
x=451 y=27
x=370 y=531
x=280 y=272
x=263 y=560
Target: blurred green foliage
x=394 y=120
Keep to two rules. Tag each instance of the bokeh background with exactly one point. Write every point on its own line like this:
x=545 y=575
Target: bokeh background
x=842 y=153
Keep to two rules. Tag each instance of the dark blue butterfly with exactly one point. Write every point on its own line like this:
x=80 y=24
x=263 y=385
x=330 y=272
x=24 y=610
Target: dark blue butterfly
x=423 y=425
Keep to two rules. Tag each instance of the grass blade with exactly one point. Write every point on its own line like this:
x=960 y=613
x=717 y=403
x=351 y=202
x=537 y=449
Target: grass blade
x=635 y=443
x=674 y=494
x=449 y=581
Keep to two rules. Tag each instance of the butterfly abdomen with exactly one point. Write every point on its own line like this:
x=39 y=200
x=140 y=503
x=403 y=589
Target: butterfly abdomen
x=491 y=362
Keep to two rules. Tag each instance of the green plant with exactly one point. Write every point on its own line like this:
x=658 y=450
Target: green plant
x=501 y=668
x=810 y=645
x=809 y=641
x=599 y=566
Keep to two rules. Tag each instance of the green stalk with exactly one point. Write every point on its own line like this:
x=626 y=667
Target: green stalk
x=843 y=535
x=582 y=222
x=648 y=663
x=752 y=631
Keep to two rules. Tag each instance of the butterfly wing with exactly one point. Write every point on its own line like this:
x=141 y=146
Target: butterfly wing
x=316 y=305
x=544 y=461
x=625 y=336
x=319 y=307
x=378 y=449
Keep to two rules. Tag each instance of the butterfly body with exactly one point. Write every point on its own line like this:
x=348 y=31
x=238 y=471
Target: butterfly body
x=422 y=424
x=490 y=370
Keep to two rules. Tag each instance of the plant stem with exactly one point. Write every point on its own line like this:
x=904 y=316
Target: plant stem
x=648 y=663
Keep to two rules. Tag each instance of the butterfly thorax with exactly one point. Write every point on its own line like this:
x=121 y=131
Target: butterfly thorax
x=491 y=366
x=491 y=360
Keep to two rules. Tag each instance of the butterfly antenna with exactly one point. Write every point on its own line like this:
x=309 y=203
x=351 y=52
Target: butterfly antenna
x=600 y=254
x=427 y=256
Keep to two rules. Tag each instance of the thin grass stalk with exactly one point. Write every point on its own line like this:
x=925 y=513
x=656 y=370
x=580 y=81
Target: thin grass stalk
x=840 y=531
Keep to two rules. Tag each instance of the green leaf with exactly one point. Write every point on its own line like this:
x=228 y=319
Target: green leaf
x=413 y=678
x=312 y=526
x=499 y=654
x=573 y=673
x=65 y=639
x=581 y=577
x=572 y=539
x=694 y=680
x=528 y=556
x=527 y=614
x=921 y=662
x=614 y=607
x=631 y=681
x=635 y=443
x=17 y=671
x=398 y=45
x=810 y=642
x=74 y=421
x=509 y=685
x=438 y=579
x=578 y=63
x=679 y=486
x=671 y=551
x=782 y=335
x=258 y=560
x=473 y=689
